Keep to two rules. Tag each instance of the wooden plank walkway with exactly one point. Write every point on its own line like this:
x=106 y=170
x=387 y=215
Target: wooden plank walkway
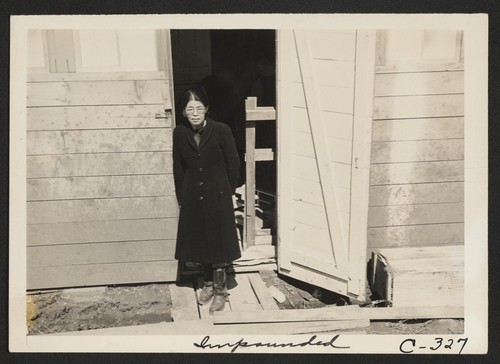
x=247 y=292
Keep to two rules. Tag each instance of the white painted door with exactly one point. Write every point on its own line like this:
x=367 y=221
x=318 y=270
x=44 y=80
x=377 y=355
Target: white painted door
x=325 y=93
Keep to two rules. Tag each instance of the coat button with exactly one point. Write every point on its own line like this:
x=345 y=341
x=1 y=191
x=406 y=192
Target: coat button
x=199 y=155
x=201 y=198
x=201 y=169
x=201 y=183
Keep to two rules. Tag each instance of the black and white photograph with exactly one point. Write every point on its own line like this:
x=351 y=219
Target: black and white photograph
x=294 y=184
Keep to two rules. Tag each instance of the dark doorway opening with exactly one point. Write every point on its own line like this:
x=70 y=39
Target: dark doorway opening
x=232 y=65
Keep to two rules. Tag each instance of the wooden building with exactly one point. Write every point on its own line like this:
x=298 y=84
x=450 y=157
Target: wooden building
x=369 y=149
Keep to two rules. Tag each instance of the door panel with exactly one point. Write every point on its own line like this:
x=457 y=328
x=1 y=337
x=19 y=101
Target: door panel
x=317 y=134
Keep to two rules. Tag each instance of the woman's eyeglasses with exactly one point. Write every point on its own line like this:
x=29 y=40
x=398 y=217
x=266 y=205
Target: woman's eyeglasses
x=199 y=110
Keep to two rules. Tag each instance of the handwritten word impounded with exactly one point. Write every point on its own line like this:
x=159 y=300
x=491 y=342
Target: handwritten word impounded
x=205 y=344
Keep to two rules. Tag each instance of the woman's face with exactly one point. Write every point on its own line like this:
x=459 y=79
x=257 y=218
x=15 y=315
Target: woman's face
x=195 y=112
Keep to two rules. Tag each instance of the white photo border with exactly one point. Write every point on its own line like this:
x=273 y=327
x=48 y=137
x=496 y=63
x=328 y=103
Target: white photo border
x=475 y=27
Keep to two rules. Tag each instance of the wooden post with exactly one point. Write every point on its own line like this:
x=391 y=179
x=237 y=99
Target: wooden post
x=253 y=114
x=249 y=224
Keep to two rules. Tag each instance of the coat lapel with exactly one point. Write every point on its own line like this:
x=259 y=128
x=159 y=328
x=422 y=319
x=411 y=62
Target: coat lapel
x=190 y=138
x=206 y=133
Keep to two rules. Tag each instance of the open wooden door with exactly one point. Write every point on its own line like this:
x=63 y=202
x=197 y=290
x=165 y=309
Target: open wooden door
x=325 y=96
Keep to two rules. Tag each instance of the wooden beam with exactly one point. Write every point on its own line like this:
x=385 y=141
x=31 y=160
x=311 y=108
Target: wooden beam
x=320 y=144
x=409 y=313
x=264 y=154
x=342 y=313
x=288 y=328
x=249 y=225
x=205 y=326
x=267 y=113
x=330 y=314
x=261 y=113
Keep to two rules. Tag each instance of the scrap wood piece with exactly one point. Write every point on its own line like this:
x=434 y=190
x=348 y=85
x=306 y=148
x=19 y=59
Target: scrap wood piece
x=288 y=328
x=259 y=287
x=337 y=313
x=408 y=313
x=277 y=294
x=184 y=302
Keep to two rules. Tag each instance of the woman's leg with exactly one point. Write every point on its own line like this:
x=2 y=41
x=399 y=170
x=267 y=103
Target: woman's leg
x=220 y=287
x=208 y=272
x=207 y=292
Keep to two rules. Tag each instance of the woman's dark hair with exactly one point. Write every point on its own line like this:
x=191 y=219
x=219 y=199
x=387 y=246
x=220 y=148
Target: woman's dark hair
x=194 y=94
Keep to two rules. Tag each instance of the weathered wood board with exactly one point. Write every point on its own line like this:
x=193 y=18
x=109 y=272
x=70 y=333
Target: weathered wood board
x=102 y=209
x=99 y=141
x=51 y=189
x=95 y=117
x=184 y=305
x=104 y=92
x=101 y=231
x=418 y=129
x=96 y=274
x=96 y=253
x=416 y=235
x=99 y=164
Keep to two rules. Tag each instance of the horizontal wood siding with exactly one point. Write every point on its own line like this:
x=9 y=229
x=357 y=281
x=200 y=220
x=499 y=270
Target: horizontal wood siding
x=101 y=206
x=417 y=171
x=99 y=164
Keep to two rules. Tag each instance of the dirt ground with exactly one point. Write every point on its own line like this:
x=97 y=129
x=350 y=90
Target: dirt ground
x=113 y=306
x=97 y=307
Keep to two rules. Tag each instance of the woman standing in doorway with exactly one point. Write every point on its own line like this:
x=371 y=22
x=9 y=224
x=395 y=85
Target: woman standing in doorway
x=206 y=174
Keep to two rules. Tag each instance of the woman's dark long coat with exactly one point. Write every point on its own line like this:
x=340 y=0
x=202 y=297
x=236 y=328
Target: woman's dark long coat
x=206 y=177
